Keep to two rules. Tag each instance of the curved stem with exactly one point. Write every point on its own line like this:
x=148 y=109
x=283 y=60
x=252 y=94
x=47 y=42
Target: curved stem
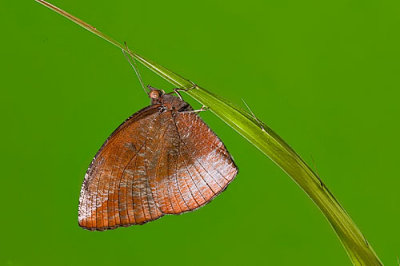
x=267 y=141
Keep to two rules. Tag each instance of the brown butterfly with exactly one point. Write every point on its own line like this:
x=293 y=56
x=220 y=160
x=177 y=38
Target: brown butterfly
x=162 y=160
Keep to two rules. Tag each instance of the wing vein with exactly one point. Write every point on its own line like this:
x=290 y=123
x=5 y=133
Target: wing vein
x=200 y=162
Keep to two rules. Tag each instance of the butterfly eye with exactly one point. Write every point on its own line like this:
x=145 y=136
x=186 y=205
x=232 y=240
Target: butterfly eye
x=155 y=94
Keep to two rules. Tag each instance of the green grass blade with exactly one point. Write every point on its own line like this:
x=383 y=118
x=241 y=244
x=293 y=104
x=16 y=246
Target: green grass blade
x=261 y=136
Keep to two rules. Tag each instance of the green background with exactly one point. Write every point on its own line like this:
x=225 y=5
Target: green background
x=323 y=74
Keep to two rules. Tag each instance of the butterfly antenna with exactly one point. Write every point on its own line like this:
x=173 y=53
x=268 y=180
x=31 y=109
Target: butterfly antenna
x=258 y=121
x=134 y=66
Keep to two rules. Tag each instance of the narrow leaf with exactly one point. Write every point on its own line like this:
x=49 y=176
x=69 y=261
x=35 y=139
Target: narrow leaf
x=267 y=141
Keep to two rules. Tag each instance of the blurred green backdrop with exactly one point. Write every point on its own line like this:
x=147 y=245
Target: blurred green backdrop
x=323 y=74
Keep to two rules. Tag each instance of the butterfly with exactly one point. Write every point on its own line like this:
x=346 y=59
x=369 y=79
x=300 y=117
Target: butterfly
x=162 y=160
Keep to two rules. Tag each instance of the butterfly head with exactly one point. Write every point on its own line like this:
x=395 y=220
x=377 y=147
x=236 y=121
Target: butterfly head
x=167 y=100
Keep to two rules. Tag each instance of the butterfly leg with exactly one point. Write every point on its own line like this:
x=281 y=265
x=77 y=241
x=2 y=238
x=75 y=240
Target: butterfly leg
x=177 y=90
x=194 y=86
x=202 y=109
